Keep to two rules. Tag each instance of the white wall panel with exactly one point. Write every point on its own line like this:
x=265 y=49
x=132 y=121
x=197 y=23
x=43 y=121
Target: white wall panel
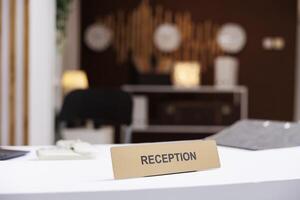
x=41 y=68
x=19 y=121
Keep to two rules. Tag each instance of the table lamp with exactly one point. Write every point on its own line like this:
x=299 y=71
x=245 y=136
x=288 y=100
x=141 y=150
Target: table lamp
x=74 y=79
x=186 y=74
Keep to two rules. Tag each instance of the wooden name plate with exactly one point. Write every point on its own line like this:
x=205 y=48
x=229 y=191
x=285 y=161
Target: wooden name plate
x=164 y=158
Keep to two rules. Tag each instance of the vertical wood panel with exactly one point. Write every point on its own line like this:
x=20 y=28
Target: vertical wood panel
x=12 y=80
x=0 y=70
x=26 y=69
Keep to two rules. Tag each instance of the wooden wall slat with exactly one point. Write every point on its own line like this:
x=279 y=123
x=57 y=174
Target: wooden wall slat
x=12 y=68
x=26 y=70
x=0 y=69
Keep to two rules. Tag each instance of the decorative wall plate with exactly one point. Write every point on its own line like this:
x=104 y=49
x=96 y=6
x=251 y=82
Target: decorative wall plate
x=98 y=37
x=167 y=37
x=231 y=38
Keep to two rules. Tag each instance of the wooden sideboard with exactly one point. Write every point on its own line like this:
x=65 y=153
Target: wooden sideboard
x=164 y=113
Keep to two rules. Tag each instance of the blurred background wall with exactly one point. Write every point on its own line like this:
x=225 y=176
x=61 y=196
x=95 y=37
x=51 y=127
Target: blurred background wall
x=269 y=74
x=28 y=50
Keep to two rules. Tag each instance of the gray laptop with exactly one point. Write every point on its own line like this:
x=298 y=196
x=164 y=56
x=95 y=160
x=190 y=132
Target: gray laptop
x=259 y=135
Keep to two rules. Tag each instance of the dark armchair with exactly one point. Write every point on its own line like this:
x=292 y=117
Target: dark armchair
x=101 y=106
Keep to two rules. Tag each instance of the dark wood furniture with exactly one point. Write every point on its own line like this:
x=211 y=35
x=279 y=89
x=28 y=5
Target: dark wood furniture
x=174 y=113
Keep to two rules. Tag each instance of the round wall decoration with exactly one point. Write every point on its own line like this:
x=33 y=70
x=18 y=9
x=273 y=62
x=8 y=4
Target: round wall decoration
x=167 y=37
x=98 y=37
x=231 y=38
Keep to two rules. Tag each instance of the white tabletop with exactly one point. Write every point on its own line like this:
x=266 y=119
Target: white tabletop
x=270 y=174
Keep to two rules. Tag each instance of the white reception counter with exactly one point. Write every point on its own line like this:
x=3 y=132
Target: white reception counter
x=260 y=175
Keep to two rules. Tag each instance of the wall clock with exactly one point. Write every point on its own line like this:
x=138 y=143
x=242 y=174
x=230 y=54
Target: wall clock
x=167 y=37
x=231 y=38
x=98 y=37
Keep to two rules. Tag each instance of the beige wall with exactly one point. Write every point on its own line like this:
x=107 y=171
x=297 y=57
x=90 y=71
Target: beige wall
x=71 y=57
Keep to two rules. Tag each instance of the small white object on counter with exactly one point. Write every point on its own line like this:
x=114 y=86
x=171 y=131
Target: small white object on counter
x=85 y=149
x=68 y=150
x=58 y=154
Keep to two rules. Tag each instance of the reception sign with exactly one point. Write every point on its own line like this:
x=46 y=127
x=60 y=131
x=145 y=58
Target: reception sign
x=164 y=158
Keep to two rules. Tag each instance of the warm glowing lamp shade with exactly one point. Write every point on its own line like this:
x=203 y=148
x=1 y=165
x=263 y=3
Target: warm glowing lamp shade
x=186 y=74
x=74 y=79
